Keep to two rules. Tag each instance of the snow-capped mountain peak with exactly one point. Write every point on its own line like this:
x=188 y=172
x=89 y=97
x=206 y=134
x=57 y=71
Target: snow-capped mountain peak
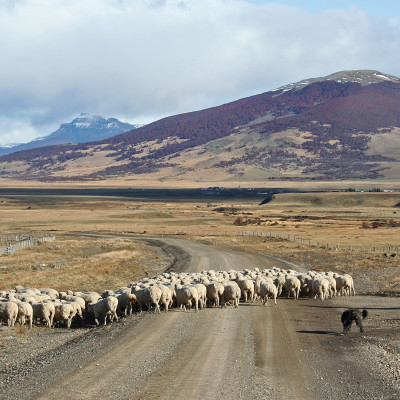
x=85 y=128
x=363 y=77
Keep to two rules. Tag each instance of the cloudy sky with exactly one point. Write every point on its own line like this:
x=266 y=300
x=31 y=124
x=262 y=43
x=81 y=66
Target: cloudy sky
x=141 y=60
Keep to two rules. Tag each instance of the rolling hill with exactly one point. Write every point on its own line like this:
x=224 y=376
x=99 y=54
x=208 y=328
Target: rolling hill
x=342 y=126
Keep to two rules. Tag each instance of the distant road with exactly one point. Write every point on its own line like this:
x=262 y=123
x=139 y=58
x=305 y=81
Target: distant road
x=146 y=194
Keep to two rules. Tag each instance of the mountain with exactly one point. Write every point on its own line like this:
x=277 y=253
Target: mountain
x=85 y=128
x=342 y=126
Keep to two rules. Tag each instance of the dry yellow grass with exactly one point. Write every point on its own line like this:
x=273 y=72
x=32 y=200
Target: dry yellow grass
x=78 y=264
x=179 y=183
x=84 y=263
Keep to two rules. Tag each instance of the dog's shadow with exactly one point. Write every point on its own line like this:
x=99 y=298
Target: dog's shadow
x=321 y=333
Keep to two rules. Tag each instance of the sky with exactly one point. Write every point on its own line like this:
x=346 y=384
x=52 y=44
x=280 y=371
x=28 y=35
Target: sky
x=142 y=60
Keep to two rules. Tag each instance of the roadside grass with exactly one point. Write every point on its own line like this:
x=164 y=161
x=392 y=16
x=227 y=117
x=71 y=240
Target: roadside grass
x=84 y=263
x=78 y=264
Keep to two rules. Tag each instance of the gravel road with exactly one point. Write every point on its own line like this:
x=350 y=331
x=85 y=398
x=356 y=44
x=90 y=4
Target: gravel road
x=293 y=350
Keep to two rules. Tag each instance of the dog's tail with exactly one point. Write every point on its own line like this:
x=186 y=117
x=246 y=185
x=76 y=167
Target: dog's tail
x=364 y=314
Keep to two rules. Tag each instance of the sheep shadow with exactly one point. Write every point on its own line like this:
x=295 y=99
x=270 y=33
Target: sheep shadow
x=344 y=307
x=248 y=304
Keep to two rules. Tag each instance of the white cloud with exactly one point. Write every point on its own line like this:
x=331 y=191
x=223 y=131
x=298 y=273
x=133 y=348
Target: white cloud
x=15 y=129
x=144 y=59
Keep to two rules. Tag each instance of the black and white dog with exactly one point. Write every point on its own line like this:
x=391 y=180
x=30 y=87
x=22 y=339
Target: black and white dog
x=351 y=315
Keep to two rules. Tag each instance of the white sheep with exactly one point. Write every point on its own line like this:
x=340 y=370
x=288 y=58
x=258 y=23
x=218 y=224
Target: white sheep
x=89 y=297
x=166 y=297
x=232 y=293
x=332 y=285
x=148 y=296
x=247 y=288
x=171 y=287
x=352 y=292
x=126 y=300
x=78 y=312
x=52 y=293
x=279 y=282
x=292 y=286
x=304 y=288
x=103 y=308
x=72 y=298
x=44 y=312
x=202 y=293
x=268 y=289
x=257 y=283
x=215 y=290
x=64 y=314
x=25 y=313
x=27 y=298
x=344 y=284
x=320 y=288
x=186 y=295
x=8 y=312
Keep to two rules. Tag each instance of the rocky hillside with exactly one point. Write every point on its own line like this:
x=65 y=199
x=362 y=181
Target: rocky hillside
x=85 y=128
x=343 y=126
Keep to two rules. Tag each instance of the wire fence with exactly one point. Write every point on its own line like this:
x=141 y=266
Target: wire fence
x=9 y=244
x=309 y=242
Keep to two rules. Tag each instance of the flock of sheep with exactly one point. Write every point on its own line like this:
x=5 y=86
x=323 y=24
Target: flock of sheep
x=182 y=290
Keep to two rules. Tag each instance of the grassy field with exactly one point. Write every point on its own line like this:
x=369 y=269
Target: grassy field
x=87 y=263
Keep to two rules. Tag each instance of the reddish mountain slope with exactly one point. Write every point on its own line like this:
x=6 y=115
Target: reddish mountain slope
x=317 y=130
